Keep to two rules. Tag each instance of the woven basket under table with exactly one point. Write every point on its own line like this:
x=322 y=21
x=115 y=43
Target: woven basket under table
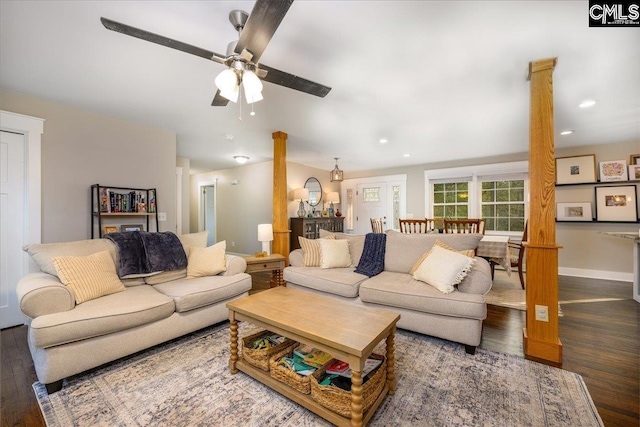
x=299 y=382
x=339 y=400
x=260 y=357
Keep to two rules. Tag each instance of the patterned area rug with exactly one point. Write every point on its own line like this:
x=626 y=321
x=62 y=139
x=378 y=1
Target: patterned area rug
x=187 y=383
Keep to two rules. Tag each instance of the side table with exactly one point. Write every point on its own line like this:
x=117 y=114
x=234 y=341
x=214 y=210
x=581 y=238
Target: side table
x=273 y=263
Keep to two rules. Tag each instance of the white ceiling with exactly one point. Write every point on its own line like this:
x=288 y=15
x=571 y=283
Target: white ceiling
x=440 y=80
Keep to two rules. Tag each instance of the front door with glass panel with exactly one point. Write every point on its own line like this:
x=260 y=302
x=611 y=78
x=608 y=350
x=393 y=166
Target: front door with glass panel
x=372 y=203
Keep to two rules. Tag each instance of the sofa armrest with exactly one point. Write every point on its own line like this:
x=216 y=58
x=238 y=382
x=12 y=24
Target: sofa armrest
x=42 y=293
x=296 y=258
x=235 y=265
x=478 y=280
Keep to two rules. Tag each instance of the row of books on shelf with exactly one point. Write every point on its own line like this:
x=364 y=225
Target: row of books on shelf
x=131 y=202
x=307 y=359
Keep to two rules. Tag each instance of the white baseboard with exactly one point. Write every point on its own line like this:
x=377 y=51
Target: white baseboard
x=595 y=274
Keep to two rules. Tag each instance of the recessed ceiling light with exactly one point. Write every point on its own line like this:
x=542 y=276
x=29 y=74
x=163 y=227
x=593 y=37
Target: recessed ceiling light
x=588 y=103
x=228 y=137
x=241 y=159
x=406 y=155
x=566 y=132
x=383 y=140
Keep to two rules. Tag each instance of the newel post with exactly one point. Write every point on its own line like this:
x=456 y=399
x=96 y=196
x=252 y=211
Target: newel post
x=280 y=216
x=541 y=339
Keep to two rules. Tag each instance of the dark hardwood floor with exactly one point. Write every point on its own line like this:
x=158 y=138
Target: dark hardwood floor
x=600 y=342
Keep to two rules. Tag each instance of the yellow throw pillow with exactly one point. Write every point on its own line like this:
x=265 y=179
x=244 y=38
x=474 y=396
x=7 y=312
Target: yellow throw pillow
x=207 y=261
x=471 y=253
x=443 y=269
x=311 y=251
x=89 y=277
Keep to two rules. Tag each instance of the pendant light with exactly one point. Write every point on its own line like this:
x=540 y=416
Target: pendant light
x=336 y=173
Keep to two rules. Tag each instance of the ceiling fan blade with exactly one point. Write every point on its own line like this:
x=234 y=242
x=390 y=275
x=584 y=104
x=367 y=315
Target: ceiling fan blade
x=261 y=25
x=161 y=40
x=219 y=100
x=294 y=82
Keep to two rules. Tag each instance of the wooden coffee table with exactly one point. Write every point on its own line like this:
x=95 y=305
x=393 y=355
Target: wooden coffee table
x=348 y=332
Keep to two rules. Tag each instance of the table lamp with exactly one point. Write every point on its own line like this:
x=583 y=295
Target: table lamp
x=301 y=194
x=265 y=235
x=332 y=197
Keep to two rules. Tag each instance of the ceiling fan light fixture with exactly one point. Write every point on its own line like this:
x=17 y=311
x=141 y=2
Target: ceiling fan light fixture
x=336 y=173
x=252 y=87
x=227 y=83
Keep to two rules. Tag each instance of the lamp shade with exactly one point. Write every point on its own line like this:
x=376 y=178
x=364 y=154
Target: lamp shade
x=265 y=232
x=252 y=87
x=333 y=197
x=301 y=194
x=227 y=82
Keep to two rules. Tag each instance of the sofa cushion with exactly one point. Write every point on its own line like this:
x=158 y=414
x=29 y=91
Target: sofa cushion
x=207 y=261
x=356 y=243
x=198 y=240
x=443 y=269
x=43 y=253
x=467 y=252
x=311 y=250
x=403 y=250
x=90 y=276
x=334 y=253
x=133 y=307
x=189 y=294
x=339 y=281
x=403 y=291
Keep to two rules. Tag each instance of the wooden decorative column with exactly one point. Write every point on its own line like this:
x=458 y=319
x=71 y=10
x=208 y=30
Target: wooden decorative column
x=280 y=216
x=541 y=339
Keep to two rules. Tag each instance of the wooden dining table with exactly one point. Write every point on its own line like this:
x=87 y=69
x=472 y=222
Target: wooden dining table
x=496 y=249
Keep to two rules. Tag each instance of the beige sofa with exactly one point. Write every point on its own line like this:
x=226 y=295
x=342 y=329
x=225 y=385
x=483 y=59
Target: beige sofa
x=66 y=338
x=456 y=316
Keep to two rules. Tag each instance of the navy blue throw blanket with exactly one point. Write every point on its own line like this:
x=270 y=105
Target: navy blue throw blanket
x=372 y=259
x=141 y=252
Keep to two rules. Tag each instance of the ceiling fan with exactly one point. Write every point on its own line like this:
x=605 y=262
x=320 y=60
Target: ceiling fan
x=242 y=56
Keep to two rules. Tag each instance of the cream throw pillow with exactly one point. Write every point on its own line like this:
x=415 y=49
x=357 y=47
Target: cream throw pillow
x=89 y=277
x=311 y=250
x=334 y=253
x=207 y=261
x=468 y=252
x=443 y=269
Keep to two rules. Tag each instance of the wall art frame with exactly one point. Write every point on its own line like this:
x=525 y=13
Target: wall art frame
x=617 y=203
x=634 y=172
x=574 y=211
x=131 y=227
x=634 y=159
x=109 y=229
x=576 y=169
x=613 y=170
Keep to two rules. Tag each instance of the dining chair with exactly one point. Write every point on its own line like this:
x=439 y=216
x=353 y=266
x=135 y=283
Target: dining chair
x=414 y=226
x=464 y=226
x=377 y=225
x=516 y=259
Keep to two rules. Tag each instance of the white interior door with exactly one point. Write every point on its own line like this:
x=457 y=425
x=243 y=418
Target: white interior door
x=12 y=225
x=371 y=203
x=209 y=212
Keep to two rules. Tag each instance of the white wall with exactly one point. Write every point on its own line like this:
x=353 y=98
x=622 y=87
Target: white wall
x=80 y=148
x=241 y=207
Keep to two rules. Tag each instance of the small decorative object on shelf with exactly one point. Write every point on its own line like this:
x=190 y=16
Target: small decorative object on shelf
x=338 y=213
x=115 y=202
x=614 y=170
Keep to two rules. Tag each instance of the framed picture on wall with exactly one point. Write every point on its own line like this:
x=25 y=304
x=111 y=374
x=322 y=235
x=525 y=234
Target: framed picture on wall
x=634 y=159
x=575 y=211
x=617 y=203
x=634 y=172
x=109 y=229
x=131 y=227
x=576 y=170
x=613 y=170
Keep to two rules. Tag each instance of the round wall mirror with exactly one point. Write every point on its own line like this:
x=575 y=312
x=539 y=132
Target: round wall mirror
x=315 y=191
